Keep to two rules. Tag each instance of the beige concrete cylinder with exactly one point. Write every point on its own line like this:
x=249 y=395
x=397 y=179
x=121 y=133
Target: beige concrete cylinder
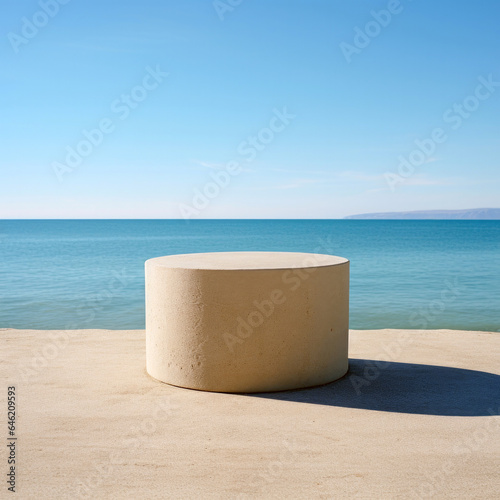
x=247 y=321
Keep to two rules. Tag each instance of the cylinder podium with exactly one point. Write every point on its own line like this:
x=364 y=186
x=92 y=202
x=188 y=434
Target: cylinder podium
x=247 y=321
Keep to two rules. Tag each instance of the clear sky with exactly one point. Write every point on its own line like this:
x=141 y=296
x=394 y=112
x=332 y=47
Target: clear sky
x=248 y=108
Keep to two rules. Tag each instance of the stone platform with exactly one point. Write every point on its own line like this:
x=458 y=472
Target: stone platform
x=247 y=321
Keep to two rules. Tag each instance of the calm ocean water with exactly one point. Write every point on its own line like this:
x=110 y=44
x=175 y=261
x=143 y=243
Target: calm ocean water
x=404 y=274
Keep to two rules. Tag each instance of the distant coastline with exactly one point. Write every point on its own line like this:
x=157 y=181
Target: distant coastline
x=469 y=214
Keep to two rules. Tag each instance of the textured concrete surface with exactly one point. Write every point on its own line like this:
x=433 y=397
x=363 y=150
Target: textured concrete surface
x=247 y=321
x=415 y=417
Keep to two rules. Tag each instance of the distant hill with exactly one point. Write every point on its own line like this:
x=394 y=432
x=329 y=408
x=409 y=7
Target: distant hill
x=471 y=214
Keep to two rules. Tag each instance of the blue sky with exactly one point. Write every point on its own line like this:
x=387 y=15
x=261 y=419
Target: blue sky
x=250 y=108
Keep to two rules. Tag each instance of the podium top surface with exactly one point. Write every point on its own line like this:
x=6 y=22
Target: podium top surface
x=246 y=261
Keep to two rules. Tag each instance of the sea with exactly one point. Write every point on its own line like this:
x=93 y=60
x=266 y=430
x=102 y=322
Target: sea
x=416 y=274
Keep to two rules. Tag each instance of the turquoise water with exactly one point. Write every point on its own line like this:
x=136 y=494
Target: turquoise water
x=404 y=274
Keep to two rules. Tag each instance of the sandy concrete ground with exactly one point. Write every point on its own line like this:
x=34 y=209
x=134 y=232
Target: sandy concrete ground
x=92 y=424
